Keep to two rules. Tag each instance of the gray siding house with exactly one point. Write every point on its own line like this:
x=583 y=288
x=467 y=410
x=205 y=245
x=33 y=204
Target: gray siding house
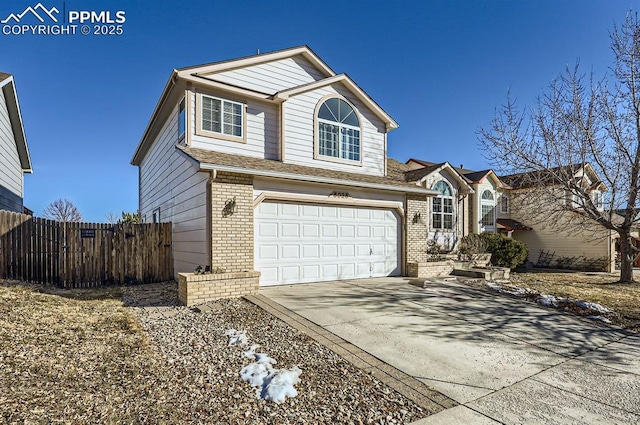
x=14 y=154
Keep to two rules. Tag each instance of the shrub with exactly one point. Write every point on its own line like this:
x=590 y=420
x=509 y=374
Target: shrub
x=505 y=252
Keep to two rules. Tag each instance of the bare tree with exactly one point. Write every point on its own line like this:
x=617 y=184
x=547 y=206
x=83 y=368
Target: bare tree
x=579 y=129
x=112 y=218
x=62 y=210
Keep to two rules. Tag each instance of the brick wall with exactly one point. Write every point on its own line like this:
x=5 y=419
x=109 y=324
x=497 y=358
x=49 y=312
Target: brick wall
x=232 y=233
x=198 y=289
x=417 y=228
x=430 y=269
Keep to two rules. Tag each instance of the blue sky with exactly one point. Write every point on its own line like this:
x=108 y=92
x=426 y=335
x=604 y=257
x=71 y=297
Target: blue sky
x=438 y=67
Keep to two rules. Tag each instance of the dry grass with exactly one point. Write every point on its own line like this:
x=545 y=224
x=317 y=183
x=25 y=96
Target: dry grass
x=601 y=288
x=61 y=356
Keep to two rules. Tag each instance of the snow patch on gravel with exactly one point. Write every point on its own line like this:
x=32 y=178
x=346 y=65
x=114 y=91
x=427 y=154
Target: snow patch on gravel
x=270 y=383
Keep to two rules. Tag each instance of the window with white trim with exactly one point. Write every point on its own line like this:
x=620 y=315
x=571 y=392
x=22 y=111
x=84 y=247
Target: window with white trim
x=442 y=207
x=221 y=116
x=155 y=217
x=338 y=130
x=181 y=119
x=504 y=203
x=487 y=207
x=596 y=197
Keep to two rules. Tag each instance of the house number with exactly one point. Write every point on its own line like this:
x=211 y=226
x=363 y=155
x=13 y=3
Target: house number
x=340 y=194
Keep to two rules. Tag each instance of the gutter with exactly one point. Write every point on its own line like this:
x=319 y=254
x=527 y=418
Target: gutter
x=314 y=179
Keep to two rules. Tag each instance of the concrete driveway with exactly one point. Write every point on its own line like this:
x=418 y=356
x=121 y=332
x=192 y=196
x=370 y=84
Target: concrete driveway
x=504 y=360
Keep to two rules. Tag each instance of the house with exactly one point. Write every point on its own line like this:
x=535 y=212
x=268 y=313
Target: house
x=558 y=235
x=274 y=167
x=14 y=154
x=511 y=205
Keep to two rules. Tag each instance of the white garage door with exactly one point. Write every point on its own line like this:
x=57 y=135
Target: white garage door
x=298 y=243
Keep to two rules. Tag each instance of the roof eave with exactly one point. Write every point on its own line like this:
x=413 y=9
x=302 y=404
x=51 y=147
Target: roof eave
x=314 y=179
x=230 y=64
x=17 y=127
x=390 y=123
x=145 y=144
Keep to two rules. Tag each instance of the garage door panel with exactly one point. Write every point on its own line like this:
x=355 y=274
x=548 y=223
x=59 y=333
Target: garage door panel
x=330 y=271
x=347 y=251
x=298 y=243
x=290 y=252
x=310 y=230
x=347 y=231
x=266 y=230
x=329 y=212
x=311 y=252
x=310 y=211
x=311 y=273
x=329 y=230
x=290 y=273
x=268 y=252
x=330 y=251
x=290 y=210
x=290 y=230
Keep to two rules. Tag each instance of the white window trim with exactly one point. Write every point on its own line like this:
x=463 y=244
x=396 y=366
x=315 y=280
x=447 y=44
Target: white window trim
x=442 y=213
x=155 y=215
x=220 y=135
x=182 y=107
x=316 y=133
x=492 y=204
x=504 y=197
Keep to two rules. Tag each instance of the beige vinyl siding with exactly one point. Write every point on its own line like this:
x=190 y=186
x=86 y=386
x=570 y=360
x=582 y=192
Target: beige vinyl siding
x=590 y=244
x=11 y=176
x=299 y=131
x=271 y=77
x=172 y=182
x=262 y=132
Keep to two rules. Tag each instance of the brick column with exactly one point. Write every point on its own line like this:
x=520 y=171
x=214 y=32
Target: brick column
x=417 y=229
x=232 y=230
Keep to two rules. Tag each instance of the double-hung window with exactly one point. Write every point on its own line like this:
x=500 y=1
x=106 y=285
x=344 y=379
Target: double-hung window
x=504 y=203
x=442 y=207
x=221 y=116
x=338 y=130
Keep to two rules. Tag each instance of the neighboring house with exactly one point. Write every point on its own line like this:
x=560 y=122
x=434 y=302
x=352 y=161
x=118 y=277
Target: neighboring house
x=275 y=163
x=559 y=243
x=503 y=204
x=14 y=154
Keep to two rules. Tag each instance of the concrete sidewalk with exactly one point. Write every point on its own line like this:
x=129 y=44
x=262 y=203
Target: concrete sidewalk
x=504 y=360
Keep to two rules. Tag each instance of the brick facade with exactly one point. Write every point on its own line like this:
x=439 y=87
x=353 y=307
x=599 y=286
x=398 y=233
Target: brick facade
x=198 y=289
x=430 y=269
x=417 y=228
x=232 y=228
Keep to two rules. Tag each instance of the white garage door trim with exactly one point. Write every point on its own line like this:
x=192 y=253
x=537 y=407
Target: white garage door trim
x=309 y=242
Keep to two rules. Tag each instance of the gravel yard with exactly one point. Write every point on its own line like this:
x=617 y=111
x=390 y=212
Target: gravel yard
x=81 y=356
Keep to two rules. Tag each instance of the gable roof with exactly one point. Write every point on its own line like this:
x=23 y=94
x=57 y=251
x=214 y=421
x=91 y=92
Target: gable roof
x=226 y=65
x=196 y=75
x=211 y=160
x=550 y=177
x=7 y=86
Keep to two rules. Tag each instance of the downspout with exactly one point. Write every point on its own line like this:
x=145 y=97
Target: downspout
x=209 y=217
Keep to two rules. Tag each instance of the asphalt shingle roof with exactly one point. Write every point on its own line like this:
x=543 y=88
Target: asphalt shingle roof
x=394 y=178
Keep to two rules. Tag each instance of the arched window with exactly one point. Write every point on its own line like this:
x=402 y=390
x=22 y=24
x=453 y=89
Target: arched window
x=338 y=130
x=488 y=205
x=442 y=206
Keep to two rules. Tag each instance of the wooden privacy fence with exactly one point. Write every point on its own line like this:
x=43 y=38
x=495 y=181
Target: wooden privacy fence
x=83 y=255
